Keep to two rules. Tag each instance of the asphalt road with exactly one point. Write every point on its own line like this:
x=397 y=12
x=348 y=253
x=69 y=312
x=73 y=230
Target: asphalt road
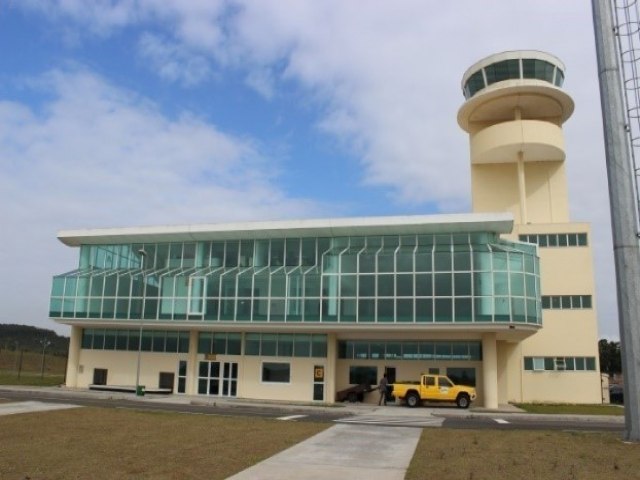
x=299 y=413
x=208 y=409
x=499 y=422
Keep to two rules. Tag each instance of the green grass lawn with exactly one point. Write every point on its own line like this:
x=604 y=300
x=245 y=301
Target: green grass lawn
x=101 y=443
x=105 y=443
x=30 y=364
x=571 y=409
x=513 y=454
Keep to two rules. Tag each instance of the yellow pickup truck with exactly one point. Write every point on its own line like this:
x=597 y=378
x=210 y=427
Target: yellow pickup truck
x=434 y=388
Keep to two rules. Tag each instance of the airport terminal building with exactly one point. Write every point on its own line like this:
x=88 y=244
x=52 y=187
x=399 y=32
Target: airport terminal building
x=501 y=298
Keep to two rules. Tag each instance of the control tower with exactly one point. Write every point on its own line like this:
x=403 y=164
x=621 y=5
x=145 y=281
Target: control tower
x=514 y=111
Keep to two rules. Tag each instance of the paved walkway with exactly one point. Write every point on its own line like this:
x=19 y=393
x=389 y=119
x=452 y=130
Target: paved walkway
x=342 y=451
x=26 y=407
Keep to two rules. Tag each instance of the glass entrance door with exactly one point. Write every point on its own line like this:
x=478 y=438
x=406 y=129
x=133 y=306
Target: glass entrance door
x=229 y=379
x=218 y=378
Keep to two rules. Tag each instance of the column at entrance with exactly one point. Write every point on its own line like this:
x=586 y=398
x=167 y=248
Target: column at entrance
x=490 y=370
x=74 y=357
x=192 y=364
x=330 y=375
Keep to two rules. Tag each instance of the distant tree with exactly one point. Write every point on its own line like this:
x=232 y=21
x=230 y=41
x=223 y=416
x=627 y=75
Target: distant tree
x=29 y=338
x=610 y=356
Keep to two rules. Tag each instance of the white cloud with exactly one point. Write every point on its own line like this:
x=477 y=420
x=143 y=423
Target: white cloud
x=97 y=156
x=174 y=62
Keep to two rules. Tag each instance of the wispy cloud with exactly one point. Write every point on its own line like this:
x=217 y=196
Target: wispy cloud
x=173 y=61
x=97 y=156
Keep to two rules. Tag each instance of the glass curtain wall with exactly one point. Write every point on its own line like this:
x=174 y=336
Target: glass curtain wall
x=459 y=278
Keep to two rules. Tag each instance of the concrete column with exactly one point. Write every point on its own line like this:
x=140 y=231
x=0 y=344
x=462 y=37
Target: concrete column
x=73 y=358
x=330 y=374
x=522 y=189
x=490 y=370
x=192 y=364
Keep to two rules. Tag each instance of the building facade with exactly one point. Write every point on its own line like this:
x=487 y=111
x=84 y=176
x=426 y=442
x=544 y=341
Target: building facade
x=501 y=298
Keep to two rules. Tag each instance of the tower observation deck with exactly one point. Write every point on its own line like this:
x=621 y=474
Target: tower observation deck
x=514 y=112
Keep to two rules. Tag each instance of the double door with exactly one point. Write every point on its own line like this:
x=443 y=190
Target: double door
x=218 y=378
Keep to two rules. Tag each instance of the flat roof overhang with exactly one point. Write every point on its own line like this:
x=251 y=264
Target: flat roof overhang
x=329 y=227
x=511 y=332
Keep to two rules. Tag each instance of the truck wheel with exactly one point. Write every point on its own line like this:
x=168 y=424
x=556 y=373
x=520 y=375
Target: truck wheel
x=352 y=397
x=463 y=400
x=413 y=399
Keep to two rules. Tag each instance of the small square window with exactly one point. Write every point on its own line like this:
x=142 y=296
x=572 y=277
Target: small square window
x=575 y=301
x=582 y=239
x=538 y=363
x=562 y=240
x=276 y=372
x=528 y=363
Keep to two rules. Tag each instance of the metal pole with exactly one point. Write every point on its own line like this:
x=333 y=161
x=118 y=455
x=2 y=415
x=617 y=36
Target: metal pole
x=20 y=364
x=143 y=255
x=45 y=344
x=620 y=175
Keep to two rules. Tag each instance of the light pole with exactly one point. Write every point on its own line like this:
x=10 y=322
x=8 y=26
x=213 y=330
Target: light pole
x=139 y=392
x=45 y=343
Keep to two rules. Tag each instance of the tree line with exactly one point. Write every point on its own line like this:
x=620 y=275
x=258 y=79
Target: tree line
x=610 y=357
x=32 y=339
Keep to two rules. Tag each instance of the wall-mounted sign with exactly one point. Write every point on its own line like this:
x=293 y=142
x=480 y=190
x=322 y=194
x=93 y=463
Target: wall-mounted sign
x=210 y=356
x=318 y=373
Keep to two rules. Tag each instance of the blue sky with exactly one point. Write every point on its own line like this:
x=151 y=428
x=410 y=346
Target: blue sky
x=142 y=112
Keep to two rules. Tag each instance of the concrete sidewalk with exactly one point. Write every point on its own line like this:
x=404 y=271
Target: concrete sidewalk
x=12 y=408
x=342 y=451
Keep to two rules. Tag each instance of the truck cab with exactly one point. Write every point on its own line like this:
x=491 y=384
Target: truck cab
x=434 y=388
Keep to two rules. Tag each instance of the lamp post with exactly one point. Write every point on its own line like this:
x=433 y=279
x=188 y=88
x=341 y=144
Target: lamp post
x=45 y=343
x=143 y=255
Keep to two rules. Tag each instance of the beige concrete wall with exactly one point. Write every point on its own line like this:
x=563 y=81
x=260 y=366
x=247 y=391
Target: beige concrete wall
x=300 y=388
x=495 y=188
x=561 y=387
x=537 y=140
x=565 y=332
x=546 y=192
x=509 y=373
x=121 y=366
x=513 y=374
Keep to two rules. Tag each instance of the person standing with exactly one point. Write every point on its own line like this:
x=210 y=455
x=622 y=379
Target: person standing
x=382 y=387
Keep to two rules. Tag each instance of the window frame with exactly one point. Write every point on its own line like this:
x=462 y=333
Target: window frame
x=263 y=365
